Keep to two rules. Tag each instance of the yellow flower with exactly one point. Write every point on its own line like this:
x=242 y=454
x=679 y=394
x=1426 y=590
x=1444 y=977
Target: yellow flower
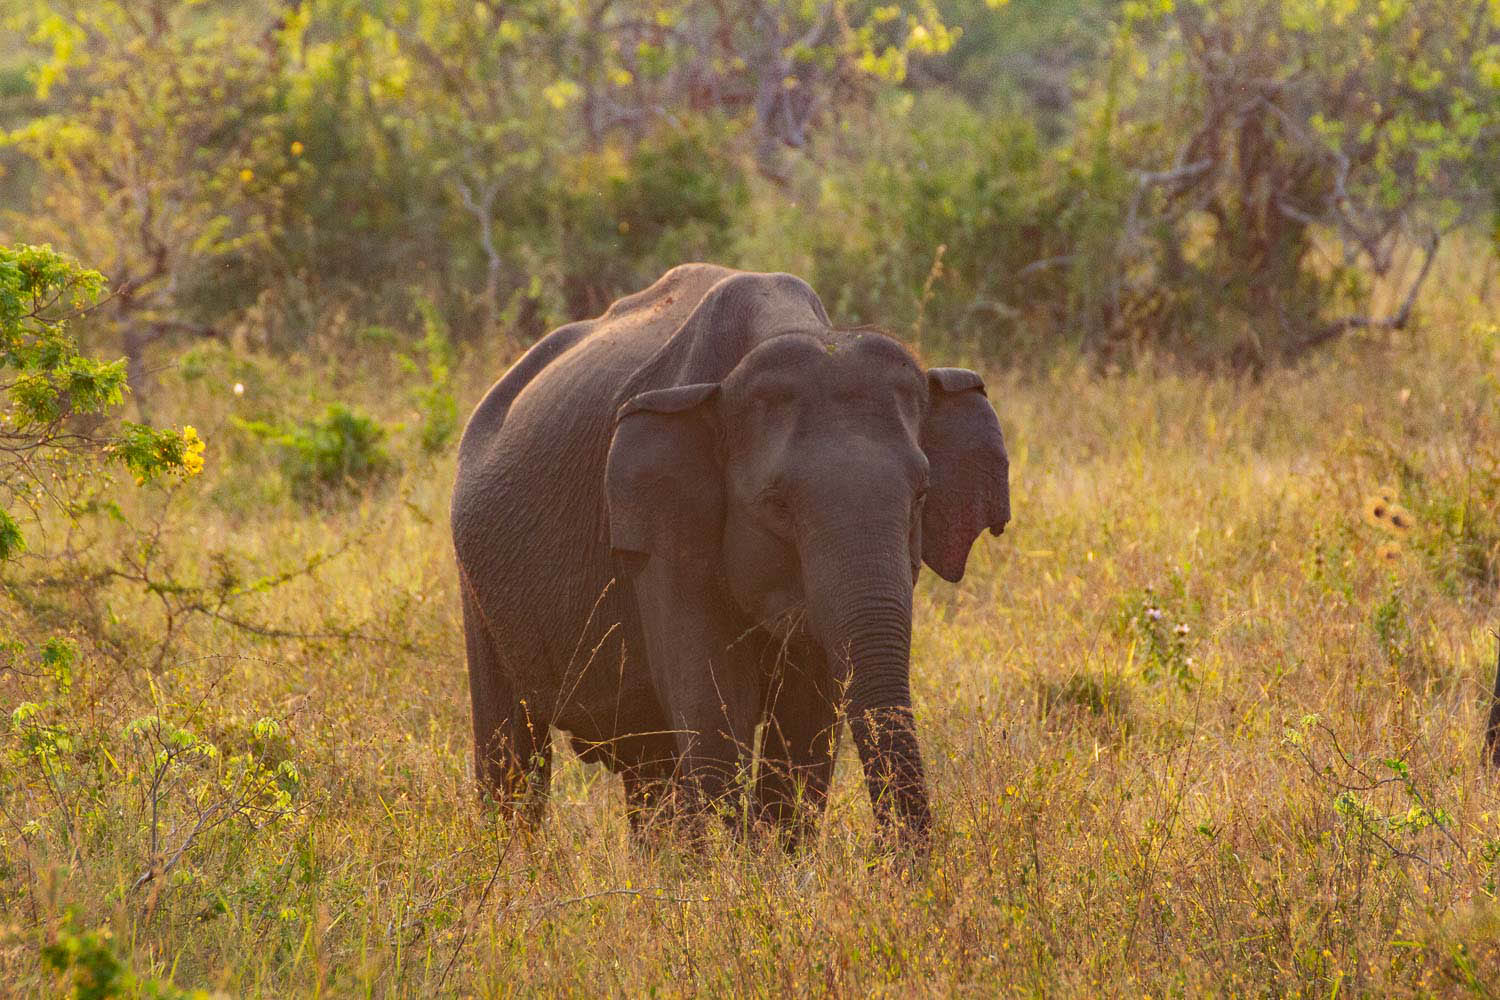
x=562 y=93
x=296 y=148
x=192 y=451
x=247 y=175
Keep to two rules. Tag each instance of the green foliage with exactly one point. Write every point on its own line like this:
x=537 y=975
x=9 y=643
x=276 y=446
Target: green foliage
x=48 y=388
x=339 y=451
x=1260 y=131
x=469 y=148
x=146 y=451
x=249 y=784
x=59 y=657
x=178 y=173
x=931 y=230
x=1184 y=214
x=182 y=796
x=1228 y=183
x=1024 y=55
x=625 y=220
x=12 y=541
x=87 y=962
x=1418 y=815
x=47 y=377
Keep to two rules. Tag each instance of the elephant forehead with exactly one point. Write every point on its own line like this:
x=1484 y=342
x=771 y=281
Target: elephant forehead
x=823 y=363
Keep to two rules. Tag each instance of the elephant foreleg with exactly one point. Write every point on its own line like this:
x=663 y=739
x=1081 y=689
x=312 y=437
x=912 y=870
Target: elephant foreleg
x=798 y=747
x=708 y=686
x=715 y=745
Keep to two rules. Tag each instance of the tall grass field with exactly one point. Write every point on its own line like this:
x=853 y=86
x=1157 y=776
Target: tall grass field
x=1207 y=720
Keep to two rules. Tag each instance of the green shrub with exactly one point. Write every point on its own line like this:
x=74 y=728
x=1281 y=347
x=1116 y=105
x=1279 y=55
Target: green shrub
x=339 y=451
x=931 y=231
x=55 y=402
x=86 y=961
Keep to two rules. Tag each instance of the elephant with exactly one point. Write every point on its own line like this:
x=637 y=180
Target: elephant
x=699 y=516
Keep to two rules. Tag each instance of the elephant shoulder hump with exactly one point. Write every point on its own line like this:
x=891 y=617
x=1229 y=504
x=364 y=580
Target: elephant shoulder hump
x=740 y=310
x=682 y=285
x=489 y=415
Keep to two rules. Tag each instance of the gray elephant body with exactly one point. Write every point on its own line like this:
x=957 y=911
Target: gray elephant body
x=702 y=511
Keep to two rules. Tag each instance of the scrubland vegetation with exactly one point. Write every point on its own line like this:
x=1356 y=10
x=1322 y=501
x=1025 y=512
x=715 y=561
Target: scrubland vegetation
x=1206 y=720
x=1199 y=722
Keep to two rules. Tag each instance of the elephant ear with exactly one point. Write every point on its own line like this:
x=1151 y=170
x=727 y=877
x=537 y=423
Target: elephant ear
x=969 y=486
x=662 y=482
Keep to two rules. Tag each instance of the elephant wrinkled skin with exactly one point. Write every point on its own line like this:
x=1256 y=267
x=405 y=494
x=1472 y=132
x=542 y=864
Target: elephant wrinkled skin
x=703 y=511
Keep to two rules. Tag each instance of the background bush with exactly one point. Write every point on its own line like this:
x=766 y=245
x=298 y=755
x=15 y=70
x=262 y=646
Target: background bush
x=1230 y=184
x=340 y=450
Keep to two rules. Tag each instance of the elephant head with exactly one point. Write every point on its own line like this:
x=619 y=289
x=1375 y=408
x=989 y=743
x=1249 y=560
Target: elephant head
x=815 y=477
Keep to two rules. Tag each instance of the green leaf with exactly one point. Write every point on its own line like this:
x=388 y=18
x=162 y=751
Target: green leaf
x=12 y=543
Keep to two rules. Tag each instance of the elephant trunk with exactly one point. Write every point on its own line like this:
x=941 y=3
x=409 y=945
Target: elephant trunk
x=859 y=600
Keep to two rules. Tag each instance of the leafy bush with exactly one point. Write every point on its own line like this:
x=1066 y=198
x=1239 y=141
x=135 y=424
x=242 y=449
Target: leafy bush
x=932 y=232
x=88 y=962
x=169 y=799
x=1260 y=134
x=54 y=401
x=627 y=219
x=338 y=451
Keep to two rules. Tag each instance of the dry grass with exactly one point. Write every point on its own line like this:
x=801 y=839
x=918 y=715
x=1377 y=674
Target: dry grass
x=1286 y=800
